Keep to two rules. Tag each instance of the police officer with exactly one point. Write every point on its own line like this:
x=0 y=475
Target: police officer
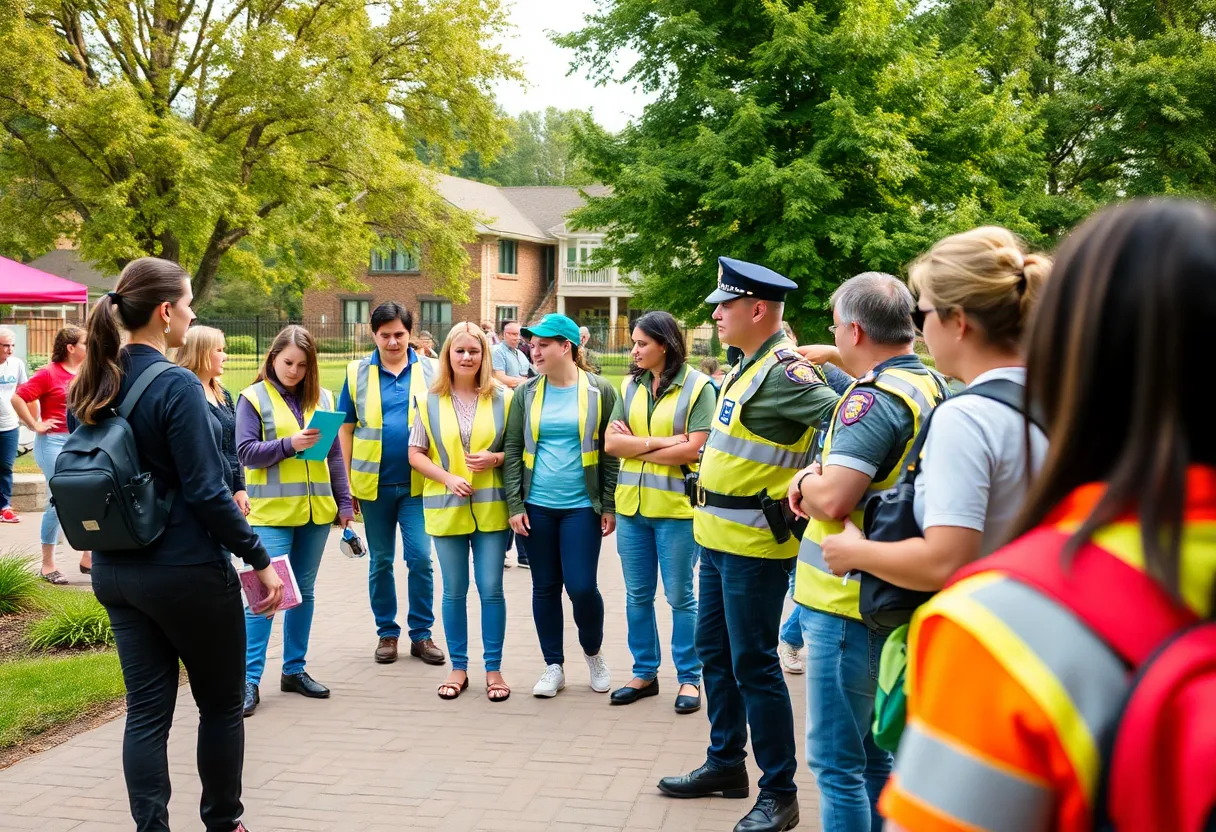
x=761 y=435
x=863 y=453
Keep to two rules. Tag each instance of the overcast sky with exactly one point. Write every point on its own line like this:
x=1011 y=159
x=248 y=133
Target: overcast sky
x=546 y=66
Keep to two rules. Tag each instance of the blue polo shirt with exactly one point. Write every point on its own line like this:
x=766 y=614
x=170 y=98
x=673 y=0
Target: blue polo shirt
x=395 y=435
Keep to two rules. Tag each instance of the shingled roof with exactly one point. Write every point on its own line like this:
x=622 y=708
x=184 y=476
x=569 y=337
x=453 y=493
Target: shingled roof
x=528 y=213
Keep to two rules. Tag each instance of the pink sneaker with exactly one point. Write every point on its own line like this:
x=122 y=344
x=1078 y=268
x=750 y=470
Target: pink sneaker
x=9 y=516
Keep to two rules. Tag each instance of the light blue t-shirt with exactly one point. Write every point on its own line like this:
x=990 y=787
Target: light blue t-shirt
x=557 y=479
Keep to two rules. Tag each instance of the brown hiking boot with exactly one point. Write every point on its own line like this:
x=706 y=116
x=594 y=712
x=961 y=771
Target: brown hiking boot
x=427 y=651
x=386 y=650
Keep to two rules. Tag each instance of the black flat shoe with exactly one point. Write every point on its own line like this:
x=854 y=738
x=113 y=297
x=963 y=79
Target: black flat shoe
x=303 y=684
x=628 y=695
x=706 y=782
x=772 y=813
x=252 y=698
x=688 y=704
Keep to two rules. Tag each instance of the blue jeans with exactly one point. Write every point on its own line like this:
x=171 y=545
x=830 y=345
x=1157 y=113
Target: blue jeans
x=648 y=546
x=489 y=553
x=841 y=677
x=303 y=546
x=395 y=509
x=564 y=550
x=46 y=450
x=791 y=630
x=740 y=611
x=8 y=453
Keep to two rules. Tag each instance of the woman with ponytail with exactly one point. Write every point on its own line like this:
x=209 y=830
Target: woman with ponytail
x=178 y=598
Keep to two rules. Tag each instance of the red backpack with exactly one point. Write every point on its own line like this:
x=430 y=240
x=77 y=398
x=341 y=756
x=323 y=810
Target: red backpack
x=1159 y=757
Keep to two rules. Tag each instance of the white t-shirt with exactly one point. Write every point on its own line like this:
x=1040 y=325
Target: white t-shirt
x=12 y=373
x=973 y=475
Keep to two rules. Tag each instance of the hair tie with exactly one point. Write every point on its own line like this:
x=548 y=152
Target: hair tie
x=114 y=296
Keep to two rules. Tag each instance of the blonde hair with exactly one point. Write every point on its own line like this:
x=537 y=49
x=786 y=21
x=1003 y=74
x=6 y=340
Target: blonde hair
x=195 y=354
x=988 y=273
x=485 y=376
x=308 y=391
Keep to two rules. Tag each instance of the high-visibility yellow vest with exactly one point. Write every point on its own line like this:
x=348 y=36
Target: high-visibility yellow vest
x=814 y=585
x=653 y=489
x=292 y=492
x=445 y=513
x=737 y=462
x=590 y=413
x=363 y=384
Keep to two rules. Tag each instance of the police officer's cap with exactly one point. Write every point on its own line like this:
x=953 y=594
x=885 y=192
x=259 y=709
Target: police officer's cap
x=737 y=279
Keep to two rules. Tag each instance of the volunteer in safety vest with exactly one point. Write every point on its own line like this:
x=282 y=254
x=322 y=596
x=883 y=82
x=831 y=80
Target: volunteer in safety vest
x=863 y=452
x=377 y=399
x=456 y=443
x=560 y=493
x=292 y=502
x=1010 y=696
x=658 y=427
x=761 y=434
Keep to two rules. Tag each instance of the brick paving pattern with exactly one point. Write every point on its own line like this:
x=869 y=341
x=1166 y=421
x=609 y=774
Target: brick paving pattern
x=384 y=753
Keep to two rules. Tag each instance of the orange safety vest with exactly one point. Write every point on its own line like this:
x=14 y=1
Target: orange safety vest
x=1009 y=693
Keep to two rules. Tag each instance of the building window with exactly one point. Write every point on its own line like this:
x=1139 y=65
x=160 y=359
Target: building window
x=506 y=313
x=356 y=311
x=507 y=257
x=394 y=257
x=436 y=319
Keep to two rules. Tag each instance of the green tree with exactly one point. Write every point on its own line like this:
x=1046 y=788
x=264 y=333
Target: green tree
x=182 y=128
x=820 y=139
x=539 y=151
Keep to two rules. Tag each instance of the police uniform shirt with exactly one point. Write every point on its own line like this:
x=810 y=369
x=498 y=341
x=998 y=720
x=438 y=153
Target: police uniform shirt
x=700 y=415
x=873 y=427
x=791 y=399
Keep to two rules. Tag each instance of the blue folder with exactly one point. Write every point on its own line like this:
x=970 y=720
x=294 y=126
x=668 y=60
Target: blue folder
x=328 y=422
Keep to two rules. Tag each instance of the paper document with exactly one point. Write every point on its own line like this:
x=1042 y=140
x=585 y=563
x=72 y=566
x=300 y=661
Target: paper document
x=254 y=593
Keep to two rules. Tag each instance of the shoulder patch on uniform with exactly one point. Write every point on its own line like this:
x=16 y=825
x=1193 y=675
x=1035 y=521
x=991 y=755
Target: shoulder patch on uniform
x=802 y=373
x=785 y=355
x=857 y=405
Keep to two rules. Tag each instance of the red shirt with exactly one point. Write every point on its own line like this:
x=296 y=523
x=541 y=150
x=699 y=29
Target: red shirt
x=49 y=387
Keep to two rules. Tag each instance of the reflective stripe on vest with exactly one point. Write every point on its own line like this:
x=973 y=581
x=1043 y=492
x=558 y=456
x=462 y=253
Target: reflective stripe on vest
x=814 y=584
x=650 y=488
x=1076 y=680
x=590 y=413
x=738 y=462
x=363 y=385
x=445 y=513
x=293 y=491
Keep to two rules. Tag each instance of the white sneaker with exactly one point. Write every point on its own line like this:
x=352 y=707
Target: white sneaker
x=791 y=658
x=601 y=676
x=551 y=682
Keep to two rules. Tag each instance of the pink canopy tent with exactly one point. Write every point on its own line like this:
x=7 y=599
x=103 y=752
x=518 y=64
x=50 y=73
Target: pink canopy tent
x=24 y=284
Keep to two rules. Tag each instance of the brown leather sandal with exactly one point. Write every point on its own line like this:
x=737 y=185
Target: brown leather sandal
x=496 y=687
x=446 y=687
x=57 y=578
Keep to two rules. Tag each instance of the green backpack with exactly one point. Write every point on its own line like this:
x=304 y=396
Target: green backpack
x=891 y=700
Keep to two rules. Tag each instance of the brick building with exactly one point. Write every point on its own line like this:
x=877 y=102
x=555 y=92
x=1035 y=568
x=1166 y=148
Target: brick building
x=524 y=263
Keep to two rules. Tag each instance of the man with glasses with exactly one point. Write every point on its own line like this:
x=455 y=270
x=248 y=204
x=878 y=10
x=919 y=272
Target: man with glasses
x=12 y=374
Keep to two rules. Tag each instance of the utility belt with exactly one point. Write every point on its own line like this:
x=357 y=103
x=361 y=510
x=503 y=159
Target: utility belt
x=782 y=521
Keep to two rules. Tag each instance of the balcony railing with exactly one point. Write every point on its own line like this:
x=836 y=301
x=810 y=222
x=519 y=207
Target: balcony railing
x=579 y=276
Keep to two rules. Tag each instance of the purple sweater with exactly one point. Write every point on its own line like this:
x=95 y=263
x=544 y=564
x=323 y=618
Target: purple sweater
x=255 y=453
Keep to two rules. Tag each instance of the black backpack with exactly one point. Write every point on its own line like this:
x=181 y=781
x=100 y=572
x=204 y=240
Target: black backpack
x=104 y=502
x=889 y=517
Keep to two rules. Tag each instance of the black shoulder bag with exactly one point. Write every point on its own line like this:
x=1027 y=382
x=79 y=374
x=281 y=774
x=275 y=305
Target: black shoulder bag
x=889 y=517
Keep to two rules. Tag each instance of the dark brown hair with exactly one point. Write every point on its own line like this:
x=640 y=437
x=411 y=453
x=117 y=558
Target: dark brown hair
x=142 y=287
x=662 y=327
x=309 y=392
x=69 y=336
x=1120 y=339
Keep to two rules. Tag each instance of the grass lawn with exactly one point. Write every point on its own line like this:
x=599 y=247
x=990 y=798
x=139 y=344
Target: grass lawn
x=43 y=692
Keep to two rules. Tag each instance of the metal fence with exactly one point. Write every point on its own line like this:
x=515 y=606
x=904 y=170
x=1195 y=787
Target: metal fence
x=609 y=344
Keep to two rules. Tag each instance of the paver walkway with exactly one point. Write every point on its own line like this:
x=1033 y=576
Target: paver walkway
x=386 y=754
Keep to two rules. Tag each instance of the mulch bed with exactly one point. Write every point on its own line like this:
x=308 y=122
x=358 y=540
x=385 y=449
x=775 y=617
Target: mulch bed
x=12 y=635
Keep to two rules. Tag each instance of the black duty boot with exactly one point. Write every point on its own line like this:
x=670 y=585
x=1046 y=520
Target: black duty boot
x=706 y=782
x=772 y=813
x=303 y=684
x=252 y=698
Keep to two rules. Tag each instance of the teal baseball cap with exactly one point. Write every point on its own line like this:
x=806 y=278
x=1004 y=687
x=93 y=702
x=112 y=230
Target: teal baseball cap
x=553 y=325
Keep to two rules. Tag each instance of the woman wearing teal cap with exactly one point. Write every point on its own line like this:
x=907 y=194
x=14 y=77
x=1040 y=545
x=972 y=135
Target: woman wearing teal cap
x=560 y=493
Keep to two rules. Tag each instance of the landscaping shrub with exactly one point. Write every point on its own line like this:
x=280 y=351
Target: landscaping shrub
x=74 y=619
x=331 y=346
x=20 y=588
x=240 y=345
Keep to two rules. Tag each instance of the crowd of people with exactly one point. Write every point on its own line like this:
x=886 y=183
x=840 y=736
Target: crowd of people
x=901 y=500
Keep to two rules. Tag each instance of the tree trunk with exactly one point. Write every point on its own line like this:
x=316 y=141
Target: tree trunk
x=223 y=237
